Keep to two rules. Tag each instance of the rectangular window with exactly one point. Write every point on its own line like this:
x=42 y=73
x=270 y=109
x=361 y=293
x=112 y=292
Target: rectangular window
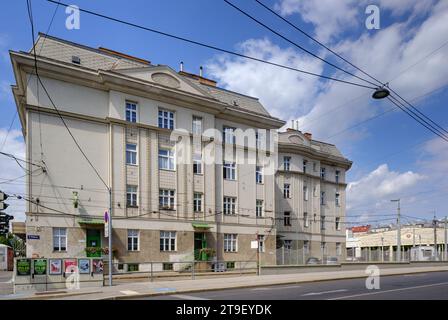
x=229 y=135
x=166 y=199
x=230 y=242
x=197 y=202
x=131 y=196
x=322 y=198
x=229 y=205
x=167 y=240
x=132 y=267
x=323 y=247
x=261 y=246
x=305 y=162
x=314 y=166
x=338 y=223
x=287 y=218
x=338 y=249
x=287 y=244
x=286 y=189
x=306 y=247
x=259 y=208
x=322 y=173
x=133 y=240
x=305 y=193
x=258 y=140
x=336 y=176
x=166 y=159
x=337 y=199
x=131 y=111
x=131 y=153
x=229 y=170
x=166 y=119
x=322 y=222
x=197 y=163
x=306 y=221
x=258 y=174
x=166 y=266
x=59 y=239
x=286 y=163
x=197 y=125
x=315 y=191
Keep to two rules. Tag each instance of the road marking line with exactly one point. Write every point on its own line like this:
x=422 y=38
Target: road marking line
x=391 y=290
x=129 y=292
x=323 y=292
x=186 y=297
x=415 y=275
x=275 y=288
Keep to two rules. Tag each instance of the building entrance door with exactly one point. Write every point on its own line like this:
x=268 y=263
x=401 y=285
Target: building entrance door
x=93 y=241
x=200 y=242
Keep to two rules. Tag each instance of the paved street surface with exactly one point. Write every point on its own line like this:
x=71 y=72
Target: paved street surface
x=5 y=282
x=428 y=286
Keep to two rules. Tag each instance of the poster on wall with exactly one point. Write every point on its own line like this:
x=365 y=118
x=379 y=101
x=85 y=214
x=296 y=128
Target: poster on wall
x=23 y=267
x=70 y=266
x=97 y=266
x=55 y=266
x=40 y=266
x=84 y=265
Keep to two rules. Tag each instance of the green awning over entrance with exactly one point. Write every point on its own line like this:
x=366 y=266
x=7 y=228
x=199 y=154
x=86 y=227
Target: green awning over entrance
x=200 y=225
x=87 y=220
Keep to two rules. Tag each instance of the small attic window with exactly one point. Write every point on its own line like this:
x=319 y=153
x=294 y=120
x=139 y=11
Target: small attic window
x=76 y=59
x=235 y=103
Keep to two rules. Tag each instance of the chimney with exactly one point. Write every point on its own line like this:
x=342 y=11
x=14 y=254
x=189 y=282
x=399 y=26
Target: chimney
x=200 y=71
x=292 y=124
x=297 y=125
x=181 y=66
x=308 y=135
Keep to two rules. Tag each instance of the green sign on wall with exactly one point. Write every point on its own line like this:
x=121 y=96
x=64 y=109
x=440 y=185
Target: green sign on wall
x=23 y=267
x=40 y=266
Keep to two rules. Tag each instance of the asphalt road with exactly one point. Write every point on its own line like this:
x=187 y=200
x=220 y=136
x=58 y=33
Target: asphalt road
x=427 y=286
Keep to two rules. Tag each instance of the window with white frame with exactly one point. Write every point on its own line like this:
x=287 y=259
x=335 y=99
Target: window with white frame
x=258 y=174
x=133 y=244
x=322 y=222
x=259 y=208
x=305 y=163
x=261 y=244
x=59 y=239
x=197 y=125
x=166 y=119
x=315 y=191
x=306 y=247
x=337 y=174
x=287 y=219
x=166 y=159
x=286 y=163
x=197 y=202
x=314 y=166
x=197 y=163
x=131 y=153
x=166 y=199
x=306 y=220
x=337 y=199
x=287 y=244
x=131 y=196
x=338 y=249
x=305 y=193
x=322 y=173
x=338 y=223
x=258 y=140
x=229 y=205
x=131 y=111
x=286 y=190
x=167 y=240
x=229 y=170
x=229 y=135
x=322 y=198
x=230 y=242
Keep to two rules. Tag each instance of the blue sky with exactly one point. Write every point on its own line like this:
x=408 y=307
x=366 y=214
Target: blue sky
x=393 y=155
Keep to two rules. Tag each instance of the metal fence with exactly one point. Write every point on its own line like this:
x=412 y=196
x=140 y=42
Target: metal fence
x=176 y=270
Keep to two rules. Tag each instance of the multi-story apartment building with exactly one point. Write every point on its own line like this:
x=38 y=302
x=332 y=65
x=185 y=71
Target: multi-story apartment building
x=310 y=199
x=191 y=167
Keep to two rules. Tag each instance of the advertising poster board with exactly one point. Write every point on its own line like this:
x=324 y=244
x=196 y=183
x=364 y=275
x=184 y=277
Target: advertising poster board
x=55 y=266
x=84 y=265
x=70 y=266
x=40 y=266
x=97 y=266
x=23 y=267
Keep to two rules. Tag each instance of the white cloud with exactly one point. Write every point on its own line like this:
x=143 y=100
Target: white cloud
x=9 y=169
x=379 y=186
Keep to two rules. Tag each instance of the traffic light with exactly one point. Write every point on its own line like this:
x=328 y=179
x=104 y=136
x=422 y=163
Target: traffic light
x=4 y=218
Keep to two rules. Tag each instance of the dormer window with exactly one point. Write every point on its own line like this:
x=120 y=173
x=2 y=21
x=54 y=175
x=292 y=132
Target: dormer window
x=76 y=60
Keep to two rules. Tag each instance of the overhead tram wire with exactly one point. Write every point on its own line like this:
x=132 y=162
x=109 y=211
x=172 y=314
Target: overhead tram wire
x=295 y=43
x=351 y=64
x=212 y=47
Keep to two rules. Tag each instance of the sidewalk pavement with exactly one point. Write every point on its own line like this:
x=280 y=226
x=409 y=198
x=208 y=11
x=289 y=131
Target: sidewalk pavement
x=143 y=289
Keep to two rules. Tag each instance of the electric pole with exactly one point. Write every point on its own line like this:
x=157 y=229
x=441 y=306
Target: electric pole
x=445 y=249
x=398 y=230
x=435 y=237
